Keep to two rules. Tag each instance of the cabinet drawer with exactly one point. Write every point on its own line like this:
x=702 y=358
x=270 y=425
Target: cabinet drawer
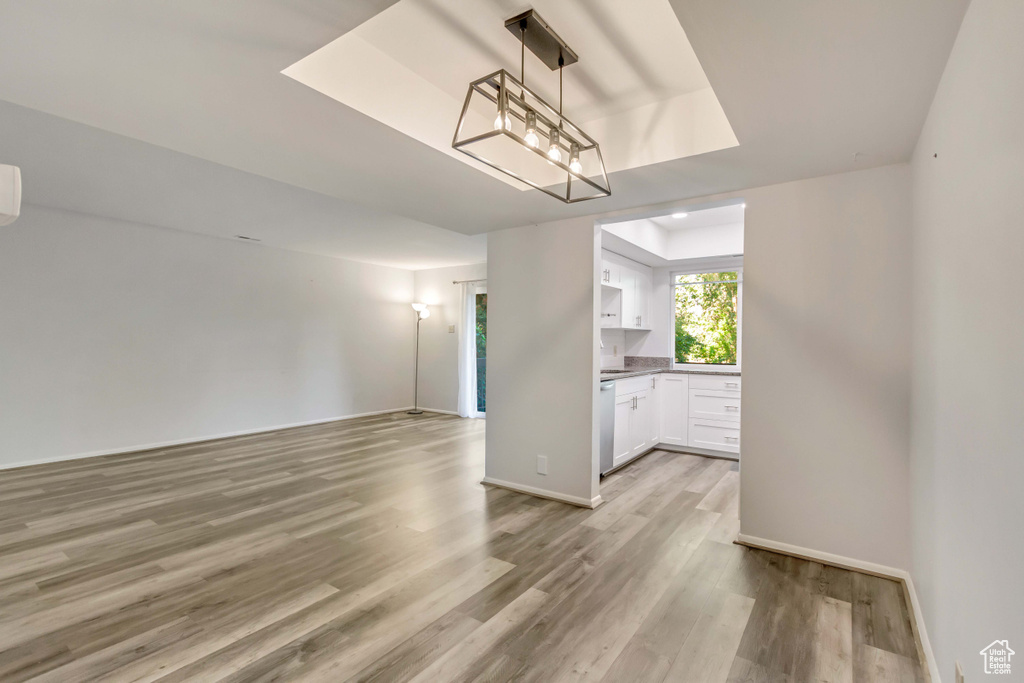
x=631 y=385
x=715 y=382
x=715 y=435
x=714 y=405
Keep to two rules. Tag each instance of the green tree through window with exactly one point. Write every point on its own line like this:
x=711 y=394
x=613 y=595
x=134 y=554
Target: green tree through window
x=481 y=353
x=707 y=312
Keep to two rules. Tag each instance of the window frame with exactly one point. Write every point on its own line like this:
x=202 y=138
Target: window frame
x=707 y=367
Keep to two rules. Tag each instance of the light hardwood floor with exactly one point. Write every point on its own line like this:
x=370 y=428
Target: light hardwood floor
x=368 y=550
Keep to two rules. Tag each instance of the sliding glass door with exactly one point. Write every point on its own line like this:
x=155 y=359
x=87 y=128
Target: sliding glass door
x=481 y=350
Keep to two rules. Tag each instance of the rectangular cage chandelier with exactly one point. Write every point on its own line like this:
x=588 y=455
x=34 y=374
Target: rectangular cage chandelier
x=510 y=128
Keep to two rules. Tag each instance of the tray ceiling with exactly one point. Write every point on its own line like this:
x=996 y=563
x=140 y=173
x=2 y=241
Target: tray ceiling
x=638 y=87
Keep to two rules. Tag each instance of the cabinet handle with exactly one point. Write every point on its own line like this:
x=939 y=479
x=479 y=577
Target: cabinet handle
x=731 y=438
x=732 y=407
x=732 y=384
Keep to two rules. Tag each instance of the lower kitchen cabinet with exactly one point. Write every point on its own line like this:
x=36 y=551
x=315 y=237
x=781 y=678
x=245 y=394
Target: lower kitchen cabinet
x=633 y=431
x=675 y=417
x=685 y=410
x=622 y=447
x=715 y=435
x=700 y=411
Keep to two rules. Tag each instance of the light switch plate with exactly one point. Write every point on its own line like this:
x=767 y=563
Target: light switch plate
x=542 y=464
x=451 y=329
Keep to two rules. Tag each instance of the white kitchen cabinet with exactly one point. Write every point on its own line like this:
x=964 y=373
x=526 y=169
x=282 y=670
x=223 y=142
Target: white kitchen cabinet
x=610 y=274
x=627 y=285
x=714 y=413
x=633 y=417
x=708 y=404
x=627 y=278
x=674 y=401
x=654 y=411
x=622 y=443
x=699 y=411
x=640 y=429
x=716 y=382
x=642 y=283
x=715 y=435
x=636 y=298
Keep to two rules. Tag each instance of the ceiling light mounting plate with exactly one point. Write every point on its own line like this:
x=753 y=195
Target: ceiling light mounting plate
x=541 y=39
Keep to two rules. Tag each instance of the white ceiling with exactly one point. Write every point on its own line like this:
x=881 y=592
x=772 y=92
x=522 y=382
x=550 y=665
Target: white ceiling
x=638 y=87
x=805 y=86
x=729 y=214
x=72 y=166
x=663 y=240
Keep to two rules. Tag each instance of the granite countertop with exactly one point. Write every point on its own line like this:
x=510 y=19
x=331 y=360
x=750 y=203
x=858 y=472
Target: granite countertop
x=637 y=366
x=637 y=372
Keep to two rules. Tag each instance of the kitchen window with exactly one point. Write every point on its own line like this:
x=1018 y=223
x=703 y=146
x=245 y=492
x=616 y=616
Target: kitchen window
x=707 y=314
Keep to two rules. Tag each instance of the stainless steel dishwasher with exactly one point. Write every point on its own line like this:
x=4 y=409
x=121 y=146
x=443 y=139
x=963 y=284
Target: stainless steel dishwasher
x=607 y=400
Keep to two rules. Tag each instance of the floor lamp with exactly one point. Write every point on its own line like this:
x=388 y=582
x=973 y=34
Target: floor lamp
x=422 y=313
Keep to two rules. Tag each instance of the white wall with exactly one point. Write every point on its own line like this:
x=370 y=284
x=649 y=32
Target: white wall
x=967 y=463
x=117 y=335
x=706 y=241
x=542 y=356
x=439 y=348
x=642 y=232
x=826 y=363
x=679 y=243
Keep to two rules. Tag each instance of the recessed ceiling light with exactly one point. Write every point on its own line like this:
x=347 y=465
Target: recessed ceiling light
x=681 y=214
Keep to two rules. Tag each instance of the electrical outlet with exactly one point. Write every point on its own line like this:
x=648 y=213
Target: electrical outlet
x=959 y=673
x=451 y=329
x=542 y=464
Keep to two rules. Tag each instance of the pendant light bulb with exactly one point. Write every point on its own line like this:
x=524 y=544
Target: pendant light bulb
x=501 y=121
x=574 y=159
x=531 y=137
x=554 y=151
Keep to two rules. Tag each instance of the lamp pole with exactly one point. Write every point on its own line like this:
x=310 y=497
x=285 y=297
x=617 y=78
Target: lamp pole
x=421 y=313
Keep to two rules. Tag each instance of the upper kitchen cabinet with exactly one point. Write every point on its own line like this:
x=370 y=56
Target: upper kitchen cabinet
x=611 y=275
x=626 y=299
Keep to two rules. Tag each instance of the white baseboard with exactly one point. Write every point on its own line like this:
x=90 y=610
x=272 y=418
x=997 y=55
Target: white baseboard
x=690 y=450
x=199 y=439
x=438 y=410
x=921 y=630
x=901 y=575
x=544 y=493
x=823 y=557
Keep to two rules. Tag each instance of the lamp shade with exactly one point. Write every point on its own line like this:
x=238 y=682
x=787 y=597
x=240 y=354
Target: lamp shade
x=419 y=307
x=530 y=140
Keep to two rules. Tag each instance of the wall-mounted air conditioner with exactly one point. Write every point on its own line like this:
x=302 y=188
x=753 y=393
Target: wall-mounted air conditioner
x=10 y=194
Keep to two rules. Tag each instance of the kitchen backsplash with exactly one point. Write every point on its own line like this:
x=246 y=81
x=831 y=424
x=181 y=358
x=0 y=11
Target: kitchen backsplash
x=647 y=362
